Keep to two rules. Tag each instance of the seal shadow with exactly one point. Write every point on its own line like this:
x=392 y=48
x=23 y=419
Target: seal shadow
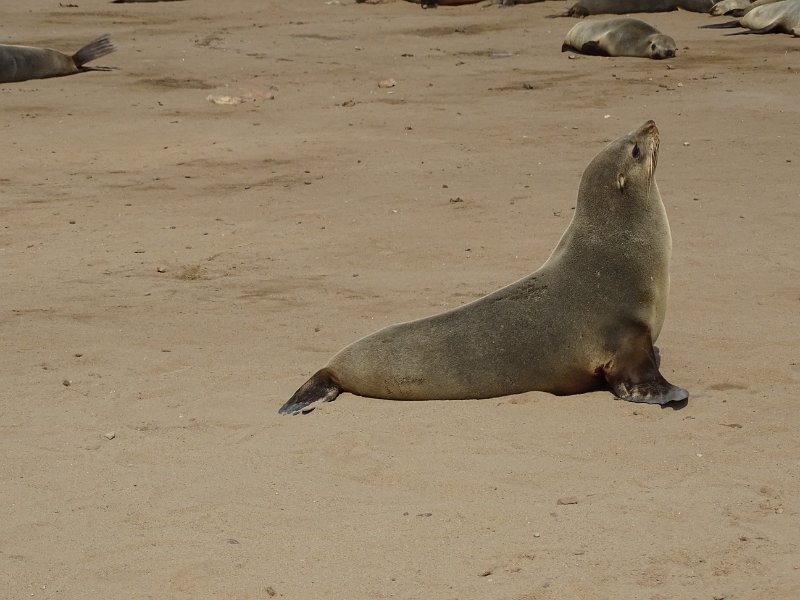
x=678 y=405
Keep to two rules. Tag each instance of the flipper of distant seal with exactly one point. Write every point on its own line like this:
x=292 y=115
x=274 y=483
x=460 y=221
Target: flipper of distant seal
x=21 y=63
x=586 y=320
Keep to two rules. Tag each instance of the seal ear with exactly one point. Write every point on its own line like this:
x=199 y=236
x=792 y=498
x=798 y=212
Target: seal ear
x=621 y=182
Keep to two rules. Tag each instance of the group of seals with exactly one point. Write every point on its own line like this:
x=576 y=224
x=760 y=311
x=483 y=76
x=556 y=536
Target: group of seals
x=767 y=17
x=623 y=36
x=586 y=320
x=20 y=63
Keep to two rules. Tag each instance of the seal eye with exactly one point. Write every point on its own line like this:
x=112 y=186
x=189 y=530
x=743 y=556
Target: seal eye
x=636 y=153
x=653 y=47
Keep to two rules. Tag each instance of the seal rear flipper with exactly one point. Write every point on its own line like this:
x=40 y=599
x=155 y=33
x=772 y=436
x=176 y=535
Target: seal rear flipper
x=322 y=386
x=633 y=373
x=767 y=29
x=725 y=25
x=92 y=51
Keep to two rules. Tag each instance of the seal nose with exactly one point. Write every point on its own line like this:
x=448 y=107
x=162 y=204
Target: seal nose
x=650 y=126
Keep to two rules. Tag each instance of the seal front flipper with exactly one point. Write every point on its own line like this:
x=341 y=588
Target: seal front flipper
x=633 y=374
x=593 y=48
x=322 y=386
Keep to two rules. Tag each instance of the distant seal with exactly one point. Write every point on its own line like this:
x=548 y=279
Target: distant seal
x=739 y=10
x=586 y=320
x=727 y=7
x=20 y=63
x=435 y=3
x=623 y=36
x=583 y=8
x=777 y=17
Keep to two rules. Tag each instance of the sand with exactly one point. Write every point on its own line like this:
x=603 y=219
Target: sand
x=173 y=269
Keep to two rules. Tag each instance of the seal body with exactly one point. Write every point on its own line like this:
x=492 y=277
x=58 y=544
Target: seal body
x=583 y=8
x=435 y=3
x=586 y=320
x=20 y=63
x=623 y=36
x=778 y=17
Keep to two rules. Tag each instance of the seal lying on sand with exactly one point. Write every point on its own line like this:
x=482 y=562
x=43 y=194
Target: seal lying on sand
x=623 y=36
x=586 y=320
x=778 y=17
x=739 y=9
x=435 y=3
x=727 y=7
x=583 y=8
x=20 y=63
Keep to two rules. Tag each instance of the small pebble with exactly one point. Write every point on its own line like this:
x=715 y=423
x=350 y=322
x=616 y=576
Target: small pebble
x=387 y=83
x=567 y=500
x=66 y=383
x=110 y=435
x=161 y=269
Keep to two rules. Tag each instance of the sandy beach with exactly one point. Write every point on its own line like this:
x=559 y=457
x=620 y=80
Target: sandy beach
x=175 y=267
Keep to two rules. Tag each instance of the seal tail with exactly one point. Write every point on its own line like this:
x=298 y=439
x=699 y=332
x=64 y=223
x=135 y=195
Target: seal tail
x=92 y=51
x=322 y=386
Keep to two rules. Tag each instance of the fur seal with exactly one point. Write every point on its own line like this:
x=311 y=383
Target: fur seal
x=20 y=63
x=739 y=10
x=777 y=17
x=586 y=320
x=727 y=7
x=583 y=8
x=436 y=3
x=623 y=36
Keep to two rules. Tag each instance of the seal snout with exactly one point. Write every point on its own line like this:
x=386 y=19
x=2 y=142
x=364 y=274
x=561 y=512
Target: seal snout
x=650 y=128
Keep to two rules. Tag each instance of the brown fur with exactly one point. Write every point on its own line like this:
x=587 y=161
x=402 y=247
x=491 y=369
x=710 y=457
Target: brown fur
x=586 y=320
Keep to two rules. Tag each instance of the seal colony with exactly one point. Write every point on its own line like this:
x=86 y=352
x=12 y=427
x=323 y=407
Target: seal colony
x=586 y=320
x=21 y=63
x=624 y=36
